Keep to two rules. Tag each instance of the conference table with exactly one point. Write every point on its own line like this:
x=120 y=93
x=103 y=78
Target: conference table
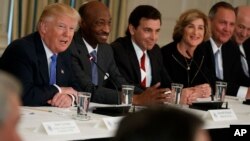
x=30 y=127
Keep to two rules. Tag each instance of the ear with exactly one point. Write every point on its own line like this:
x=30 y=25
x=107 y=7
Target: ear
x=82 y=23
x=43 y=27
x=131 y=29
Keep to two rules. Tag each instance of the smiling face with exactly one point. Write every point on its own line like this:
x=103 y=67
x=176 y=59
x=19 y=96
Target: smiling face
x=96 y=24
x=193 y=33
x=222 y=25
x=57 y=32
x=242 y=28
x=146 y=34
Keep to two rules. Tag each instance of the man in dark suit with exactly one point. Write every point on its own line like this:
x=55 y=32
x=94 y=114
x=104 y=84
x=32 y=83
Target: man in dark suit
x=241 y=38
x=93 y=60
x=142 y=35
x=137 y=55
x=223 y=52
x=45 y=80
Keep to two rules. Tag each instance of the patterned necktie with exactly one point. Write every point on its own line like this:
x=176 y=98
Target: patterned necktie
x=143 y=71
x=218 y=65
x=94 y=68
x=52 y=79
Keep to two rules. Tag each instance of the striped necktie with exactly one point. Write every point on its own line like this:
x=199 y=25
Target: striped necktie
x=143 y=70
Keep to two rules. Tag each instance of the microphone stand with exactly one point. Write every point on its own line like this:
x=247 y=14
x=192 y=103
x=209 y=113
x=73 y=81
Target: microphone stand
x=110 y=77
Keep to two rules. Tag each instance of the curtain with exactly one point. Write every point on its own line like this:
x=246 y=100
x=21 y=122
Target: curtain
x=27 y=13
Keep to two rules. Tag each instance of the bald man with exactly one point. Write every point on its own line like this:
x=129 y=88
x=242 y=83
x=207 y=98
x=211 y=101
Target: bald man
x=241 y=37
x=93 y=60
x=242 y=28
x=89 y=45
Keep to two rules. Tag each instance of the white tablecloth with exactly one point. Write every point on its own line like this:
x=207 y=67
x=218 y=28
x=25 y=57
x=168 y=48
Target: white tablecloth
x=32 y=118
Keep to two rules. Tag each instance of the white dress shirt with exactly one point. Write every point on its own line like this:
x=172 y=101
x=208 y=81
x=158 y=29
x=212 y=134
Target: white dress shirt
x=139 y=54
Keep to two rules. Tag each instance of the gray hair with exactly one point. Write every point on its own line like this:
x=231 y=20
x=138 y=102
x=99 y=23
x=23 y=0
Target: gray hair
x=8 y=86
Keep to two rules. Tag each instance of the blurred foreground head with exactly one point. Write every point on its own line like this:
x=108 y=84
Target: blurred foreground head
x=161 y=124
x=9 y=107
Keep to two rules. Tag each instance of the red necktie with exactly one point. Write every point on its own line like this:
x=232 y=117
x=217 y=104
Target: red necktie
x=143 y=82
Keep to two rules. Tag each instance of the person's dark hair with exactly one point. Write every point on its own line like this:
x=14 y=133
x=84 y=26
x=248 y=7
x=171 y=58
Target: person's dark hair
x=142 y=11
x=159 y=124
x=218 y=5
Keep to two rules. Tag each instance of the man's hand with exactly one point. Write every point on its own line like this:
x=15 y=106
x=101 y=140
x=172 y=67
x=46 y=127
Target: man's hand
x=151 y=95
x=203 y=90
x=63 y=99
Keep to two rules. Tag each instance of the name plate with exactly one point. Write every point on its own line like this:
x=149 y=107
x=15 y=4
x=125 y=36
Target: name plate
x=60 y=127
x=223 y=115
x=112 y=122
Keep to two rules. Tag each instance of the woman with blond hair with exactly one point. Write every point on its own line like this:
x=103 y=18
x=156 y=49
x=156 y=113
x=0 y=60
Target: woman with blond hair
x=185 y=59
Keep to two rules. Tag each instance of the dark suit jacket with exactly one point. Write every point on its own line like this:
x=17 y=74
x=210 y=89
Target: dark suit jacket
x=176 y=65
x=246 y=47
x=232 y=70
x=129 y=66
x=106 y=64
x=26 y=59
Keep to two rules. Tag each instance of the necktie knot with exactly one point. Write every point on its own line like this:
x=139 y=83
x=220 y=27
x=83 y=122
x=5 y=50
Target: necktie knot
x=53 y=57
x=94 y=55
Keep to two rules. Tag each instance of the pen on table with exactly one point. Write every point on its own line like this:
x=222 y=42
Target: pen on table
x=43 y=110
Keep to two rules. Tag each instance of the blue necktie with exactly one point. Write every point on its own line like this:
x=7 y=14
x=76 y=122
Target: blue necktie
x=94 y=68
x=52 y=79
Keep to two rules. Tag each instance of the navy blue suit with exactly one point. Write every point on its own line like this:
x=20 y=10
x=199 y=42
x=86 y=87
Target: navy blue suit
x=26 y=59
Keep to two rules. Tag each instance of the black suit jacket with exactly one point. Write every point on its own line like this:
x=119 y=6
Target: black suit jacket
x=106 y=65
x=232 y=70
x=246 y=47
x=26 y=59
x=129 y=66
x=176 y=64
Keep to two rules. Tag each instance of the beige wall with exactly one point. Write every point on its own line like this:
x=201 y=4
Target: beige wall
x=171 y=9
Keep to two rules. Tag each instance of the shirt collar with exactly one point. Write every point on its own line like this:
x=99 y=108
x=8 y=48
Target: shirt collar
x=214 y=46
x=48 y=52
x=138 y=50
x=89 y=48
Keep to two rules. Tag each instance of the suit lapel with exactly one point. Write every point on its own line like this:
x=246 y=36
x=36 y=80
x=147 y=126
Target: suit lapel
x=101 y=63
x=83 y=54
x=134 y=61
x=42 y=60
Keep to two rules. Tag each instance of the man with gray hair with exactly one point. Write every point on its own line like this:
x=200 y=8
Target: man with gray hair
x=41 y=61
x=9 y=107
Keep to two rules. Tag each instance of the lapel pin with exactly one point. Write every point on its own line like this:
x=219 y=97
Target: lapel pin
x=62 y=71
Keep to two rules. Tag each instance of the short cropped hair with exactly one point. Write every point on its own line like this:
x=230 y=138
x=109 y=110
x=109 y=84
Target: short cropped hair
x=58 y=9
x=218 y=5
x=8 y=86
x=159 y=124
x=185 y=19
x=142 y=11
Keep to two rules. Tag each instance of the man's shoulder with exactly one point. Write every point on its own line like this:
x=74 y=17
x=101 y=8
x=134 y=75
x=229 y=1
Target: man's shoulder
x=121 y=42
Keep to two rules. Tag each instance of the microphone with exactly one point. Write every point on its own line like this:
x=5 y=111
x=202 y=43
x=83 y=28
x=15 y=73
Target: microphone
x=91 y=59
x=199 y=69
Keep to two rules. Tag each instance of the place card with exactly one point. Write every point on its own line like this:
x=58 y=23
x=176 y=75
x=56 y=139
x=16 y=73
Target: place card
x=60 y=127
x=110 y=123
x=223 y=115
